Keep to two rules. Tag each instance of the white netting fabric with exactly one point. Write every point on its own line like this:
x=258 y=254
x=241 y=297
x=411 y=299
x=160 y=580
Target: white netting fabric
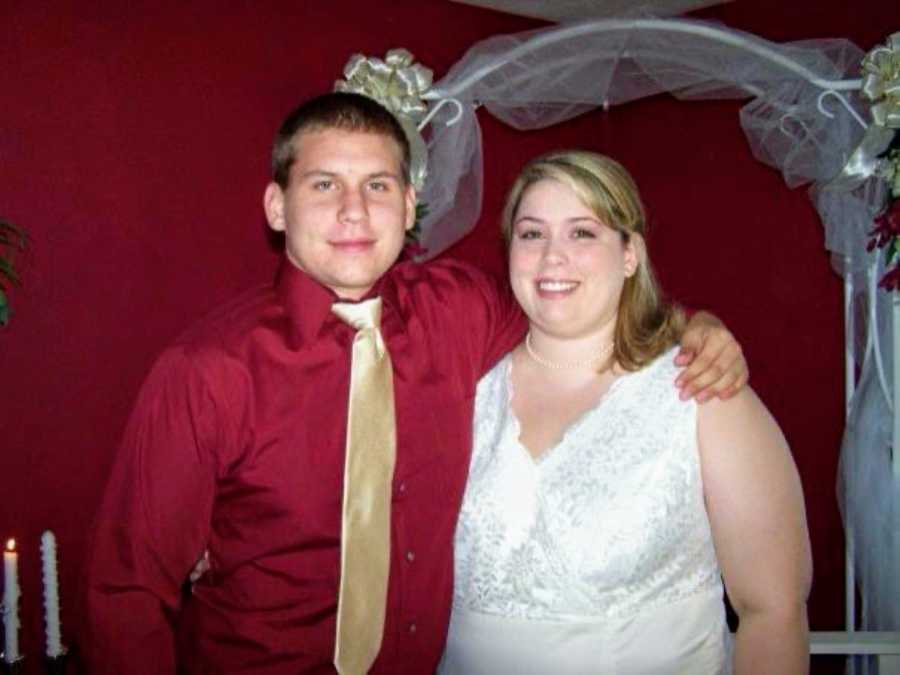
x=539 y=78
x=868 y=490
x=576 y=10
x=456 y=150
x=803 y=118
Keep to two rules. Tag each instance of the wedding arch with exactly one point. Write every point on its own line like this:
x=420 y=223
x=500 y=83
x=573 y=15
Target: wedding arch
x=824 y=113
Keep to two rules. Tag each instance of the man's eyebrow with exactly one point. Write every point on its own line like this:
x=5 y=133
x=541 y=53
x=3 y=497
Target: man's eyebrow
x=384 y=174
x=317 y=172
x=323 y=173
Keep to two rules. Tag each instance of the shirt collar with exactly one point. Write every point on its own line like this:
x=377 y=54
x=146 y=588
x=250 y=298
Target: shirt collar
x=308 y=302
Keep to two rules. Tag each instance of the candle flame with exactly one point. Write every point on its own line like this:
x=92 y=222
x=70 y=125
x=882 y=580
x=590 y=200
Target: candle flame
x=10 y=545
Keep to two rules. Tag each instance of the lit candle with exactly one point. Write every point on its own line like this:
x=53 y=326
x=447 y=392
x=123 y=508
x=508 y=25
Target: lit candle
x=51 y=595
x=11 y=602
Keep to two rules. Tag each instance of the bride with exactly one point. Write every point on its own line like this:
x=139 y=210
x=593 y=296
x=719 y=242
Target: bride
x=602 y=511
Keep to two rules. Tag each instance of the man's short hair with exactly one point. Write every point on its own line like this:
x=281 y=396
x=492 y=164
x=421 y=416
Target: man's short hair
x=338 y=110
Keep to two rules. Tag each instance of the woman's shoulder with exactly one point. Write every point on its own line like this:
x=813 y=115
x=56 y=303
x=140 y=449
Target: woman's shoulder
x=494 y=383
x=740 y=431
x=661 y=369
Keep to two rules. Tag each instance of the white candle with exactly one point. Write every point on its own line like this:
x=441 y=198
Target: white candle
x=11 y=602
x=51 y=595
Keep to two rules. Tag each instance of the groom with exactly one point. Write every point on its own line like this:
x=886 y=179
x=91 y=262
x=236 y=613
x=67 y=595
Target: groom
x=237 y=441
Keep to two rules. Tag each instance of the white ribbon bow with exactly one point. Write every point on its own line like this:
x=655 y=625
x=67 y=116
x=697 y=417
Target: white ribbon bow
x=398 y=84
x=881 y=82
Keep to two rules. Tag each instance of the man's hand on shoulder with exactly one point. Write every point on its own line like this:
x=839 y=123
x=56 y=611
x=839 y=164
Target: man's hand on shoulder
x=715 y=364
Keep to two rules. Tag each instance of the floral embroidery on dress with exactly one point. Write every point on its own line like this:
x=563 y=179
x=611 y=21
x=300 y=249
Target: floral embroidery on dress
x=609 y=523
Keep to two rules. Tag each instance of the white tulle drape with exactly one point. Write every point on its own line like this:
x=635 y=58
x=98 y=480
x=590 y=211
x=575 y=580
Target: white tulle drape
x=536 y=79
x=576 y=10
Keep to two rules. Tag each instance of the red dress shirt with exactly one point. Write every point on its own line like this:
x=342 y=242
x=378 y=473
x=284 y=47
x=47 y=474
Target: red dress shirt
x=236 y=445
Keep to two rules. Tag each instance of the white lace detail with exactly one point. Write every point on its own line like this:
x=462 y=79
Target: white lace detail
x=610 y=522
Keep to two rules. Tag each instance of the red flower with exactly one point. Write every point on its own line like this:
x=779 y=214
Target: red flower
x=887 y=226
x=891 y=280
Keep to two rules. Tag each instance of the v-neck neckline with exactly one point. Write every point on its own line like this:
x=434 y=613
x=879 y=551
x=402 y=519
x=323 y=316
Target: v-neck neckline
x=515 y=427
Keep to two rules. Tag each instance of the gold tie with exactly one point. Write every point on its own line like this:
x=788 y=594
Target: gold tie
x=368 y=472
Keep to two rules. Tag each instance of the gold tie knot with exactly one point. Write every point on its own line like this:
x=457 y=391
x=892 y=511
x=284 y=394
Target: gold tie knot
x=362 y=316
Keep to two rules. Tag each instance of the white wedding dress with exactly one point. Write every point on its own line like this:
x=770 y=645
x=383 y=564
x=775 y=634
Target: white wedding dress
x=596 y=558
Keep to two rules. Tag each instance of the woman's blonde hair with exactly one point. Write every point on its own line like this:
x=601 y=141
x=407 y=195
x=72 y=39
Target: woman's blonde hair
x=646 y=324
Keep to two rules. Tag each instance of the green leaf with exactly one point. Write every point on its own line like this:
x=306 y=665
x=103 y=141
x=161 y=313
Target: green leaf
x=12 y=237
x=7 y=270
x=892 y=250
x=12 y=241
x=8 y=227
x=415 y=231
x=4 y=309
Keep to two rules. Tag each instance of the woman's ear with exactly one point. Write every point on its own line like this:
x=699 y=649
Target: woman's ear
x=635 y=253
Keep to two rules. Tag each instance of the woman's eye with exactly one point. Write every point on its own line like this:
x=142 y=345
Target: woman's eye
x=584 y=233
x=323 y=185
x=529 y=234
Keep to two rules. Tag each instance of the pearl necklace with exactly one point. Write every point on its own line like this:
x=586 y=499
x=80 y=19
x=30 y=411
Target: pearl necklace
x=569 y=365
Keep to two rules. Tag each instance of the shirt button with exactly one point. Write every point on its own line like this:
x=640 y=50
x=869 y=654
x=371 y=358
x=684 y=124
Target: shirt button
x=410 y=556
x=412 y=627
x=401 y=488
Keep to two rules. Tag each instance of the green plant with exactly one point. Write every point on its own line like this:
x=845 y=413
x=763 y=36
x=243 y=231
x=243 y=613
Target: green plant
x=12 y=240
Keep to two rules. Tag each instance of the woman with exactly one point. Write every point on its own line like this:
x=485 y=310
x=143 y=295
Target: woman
x=602 y=512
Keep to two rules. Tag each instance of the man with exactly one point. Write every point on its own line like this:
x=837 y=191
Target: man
x=237 y=441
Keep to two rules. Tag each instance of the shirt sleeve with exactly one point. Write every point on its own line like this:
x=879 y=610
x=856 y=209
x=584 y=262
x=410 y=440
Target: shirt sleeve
x=154 y=520
x=486 y=317
x=506 y=322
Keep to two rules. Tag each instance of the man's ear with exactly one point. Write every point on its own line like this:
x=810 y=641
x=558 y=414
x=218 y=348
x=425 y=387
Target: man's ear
x=635 y=253
x=273 y=203
x=410 y=198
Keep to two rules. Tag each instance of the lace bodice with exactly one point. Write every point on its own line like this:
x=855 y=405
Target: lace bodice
x=607 y=523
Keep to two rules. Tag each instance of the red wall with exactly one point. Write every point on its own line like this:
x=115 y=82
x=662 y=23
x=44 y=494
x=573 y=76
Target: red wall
x=134 y=145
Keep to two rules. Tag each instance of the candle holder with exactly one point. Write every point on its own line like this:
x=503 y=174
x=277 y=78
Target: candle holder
x=56 y=665
x=16 y=667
